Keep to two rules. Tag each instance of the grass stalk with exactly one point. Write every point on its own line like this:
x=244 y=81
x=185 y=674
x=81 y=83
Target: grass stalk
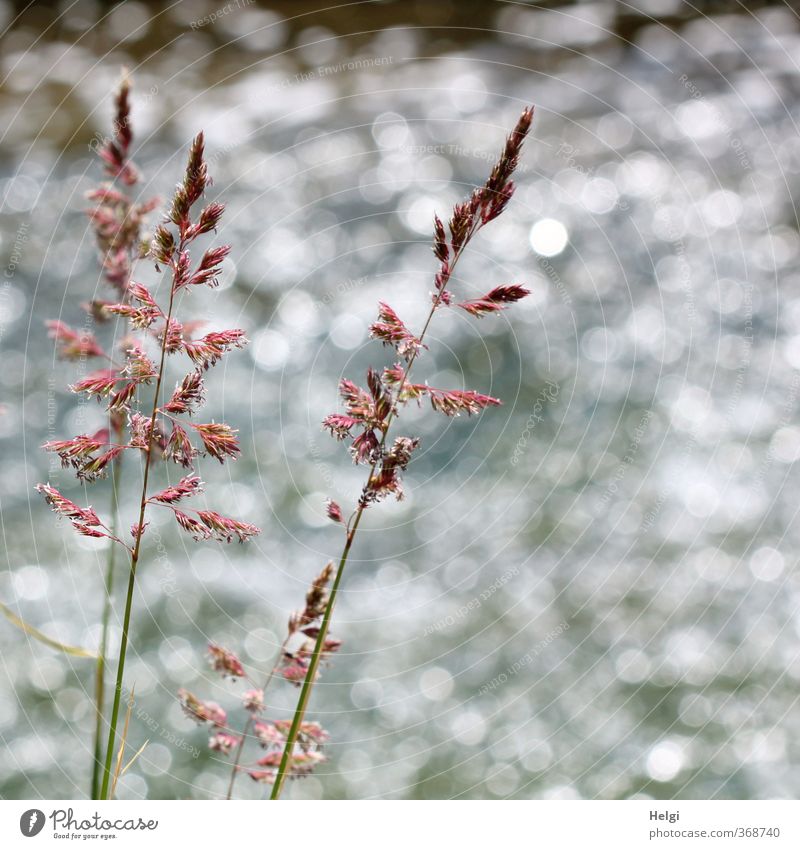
x=123 y=646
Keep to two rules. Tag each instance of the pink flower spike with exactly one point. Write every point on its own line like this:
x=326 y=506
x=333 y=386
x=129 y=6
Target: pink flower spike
x=495 y=300
x=223 y=742
x=396 y=378
x=139 y=367
x=188 y=394
x=137 y=530
x=114 y=151
x=301 y=763
x=253 y=701
x=294 y=672
x=267 y=734
x=105 y=194
x=357 y=400
x=162 y=248
x=140 y=317
x=77 y=451
x=387 y=478
x=185 y=488
x=72 y=344
x=307 y=753
x=96 y=467
x=224 y=529
x=334 y=511
x=139 y=292
x=331 y=645
x=209 y=349
x=196 y=178
x=98 y=383
x=311 y=733
x=121 y=399
x=179 y=448
x=201 y=711
x=198 y=530
x=391 y=331
x=209 y=269
x=141 y=431
x=339 y=425
x=364 y=447
x=83 y=519
x=86 y=531
x=440 y=248
x=174 y=332
x=368 y=408
x=452 y=402
x=219 y=440
x=262 y=776
x=209 y=218
x=225 y=662
x=493 y=197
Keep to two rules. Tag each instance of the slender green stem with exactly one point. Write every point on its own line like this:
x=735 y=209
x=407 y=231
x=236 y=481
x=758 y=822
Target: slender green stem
x=316 y=656
x=100 y=669
x=308 y=682
x=126 y=621
x=239 y=749
x=115 y=426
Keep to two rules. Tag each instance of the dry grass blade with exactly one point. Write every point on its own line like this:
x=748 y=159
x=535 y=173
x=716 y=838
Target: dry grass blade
x=118 y=771
x=75 y=651
x=131 y=761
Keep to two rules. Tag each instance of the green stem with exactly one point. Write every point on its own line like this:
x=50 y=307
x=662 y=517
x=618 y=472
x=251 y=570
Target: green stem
x=115 y=426
x=308 y=682
x=316 y=656
x=100 y=669
x=238 y=758
x=123 y=645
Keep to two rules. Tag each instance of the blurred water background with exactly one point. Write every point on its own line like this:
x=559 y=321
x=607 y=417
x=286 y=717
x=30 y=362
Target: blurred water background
x=590 y=592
